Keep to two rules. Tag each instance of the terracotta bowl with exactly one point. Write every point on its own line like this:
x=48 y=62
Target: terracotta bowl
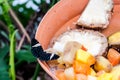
x=65 y=14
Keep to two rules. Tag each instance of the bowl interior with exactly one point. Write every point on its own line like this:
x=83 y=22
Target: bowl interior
x=64 y=15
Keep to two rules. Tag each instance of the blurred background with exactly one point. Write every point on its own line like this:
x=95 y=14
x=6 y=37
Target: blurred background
x=19 y=20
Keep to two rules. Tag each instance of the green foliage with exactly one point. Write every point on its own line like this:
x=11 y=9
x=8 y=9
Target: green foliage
x=4 y=75
x=3 y=52
x=10 y=57
x=24 y=15
x=6 y=8
x=25 y=55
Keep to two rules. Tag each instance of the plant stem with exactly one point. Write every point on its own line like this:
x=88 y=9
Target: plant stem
x=12 y=52
x=36 y=72
x=12 y=32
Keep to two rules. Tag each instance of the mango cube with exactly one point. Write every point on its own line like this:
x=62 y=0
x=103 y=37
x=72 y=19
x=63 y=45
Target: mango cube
x=85 y=57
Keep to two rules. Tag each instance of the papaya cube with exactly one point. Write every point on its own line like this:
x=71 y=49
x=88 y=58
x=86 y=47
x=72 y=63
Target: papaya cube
x=81 y=68
x=60 y=75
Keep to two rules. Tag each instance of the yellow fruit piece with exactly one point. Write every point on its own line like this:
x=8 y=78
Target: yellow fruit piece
x=102 y=64
x=91 y=77
x=116 y=72
x=92 y=72
x=114 y=38
x=85 y=57
x=105 y=76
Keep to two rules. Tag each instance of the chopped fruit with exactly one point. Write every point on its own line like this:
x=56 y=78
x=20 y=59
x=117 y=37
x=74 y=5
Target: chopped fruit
x=85 y=57
x=81 y=77
x=116 y=72
x=84 y=37
x=60 y=75
x=91 y=77
x=105 y=76
x=114 y=39
x=100 y=73
x=69 y=73
x=92 y=72
x=102 y=64
x=69 y=51
x=96 y=14
x=113 y=56
x=80 y=67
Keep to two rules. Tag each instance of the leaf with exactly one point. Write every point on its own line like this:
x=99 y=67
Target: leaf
x=25 y=55
x=4 y=75
x=3 y=65
x=3 y=33
x=3 y=52
x=27 y=47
